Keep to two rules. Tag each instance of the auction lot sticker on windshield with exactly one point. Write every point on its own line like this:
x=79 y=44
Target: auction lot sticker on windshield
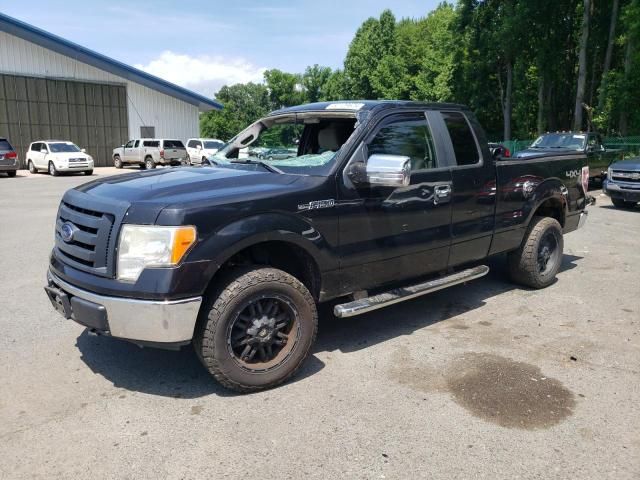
x=345 y=106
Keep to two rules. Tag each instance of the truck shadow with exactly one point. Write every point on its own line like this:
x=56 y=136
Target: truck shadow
x=179 y=374
x=356 y=333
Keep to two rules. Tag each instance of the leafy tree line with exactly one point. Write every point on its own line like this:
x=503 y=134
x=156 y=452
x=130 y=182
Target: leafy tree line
x=523 y=67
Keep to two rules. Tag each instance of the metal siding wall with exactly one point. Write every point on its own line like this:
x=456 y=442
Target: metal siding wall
x=145 y=106
x=89 y=114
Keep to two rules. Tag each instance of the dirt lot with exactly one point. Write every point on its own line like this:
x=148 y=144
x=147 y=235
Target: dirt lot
x=481 y=380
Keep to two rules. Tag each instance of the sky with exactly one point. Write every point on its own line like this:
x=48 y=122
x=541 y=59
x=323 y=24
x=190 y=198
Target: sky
x=202 y=45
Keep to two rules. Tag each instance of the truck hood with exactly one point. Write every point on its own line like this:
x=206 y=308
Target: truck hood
x=632 y=164
x=172 y=186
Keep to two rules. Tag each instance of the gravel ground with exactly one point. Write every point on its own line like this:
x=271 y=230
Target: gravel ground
x=481 y=380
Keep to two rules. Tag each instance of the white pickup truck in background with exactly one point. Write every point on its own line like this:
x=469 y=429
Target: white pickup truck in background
x=149 y=152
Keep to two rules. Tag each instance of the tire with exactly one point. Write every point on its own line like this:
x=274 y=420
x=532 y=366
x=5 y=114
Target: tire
x=53 y=170
x=117 y=161
x=537 y=261
x=204 y=161
x=259 y=359
x=88 y=172
x=11 y=173
x=149 y=163
x=32 y=167
x=620 y=203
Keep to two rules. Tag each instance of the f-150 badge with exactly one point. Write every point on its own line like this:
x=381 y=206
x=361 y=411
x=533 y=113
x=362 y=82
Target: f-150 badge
x=317 y=204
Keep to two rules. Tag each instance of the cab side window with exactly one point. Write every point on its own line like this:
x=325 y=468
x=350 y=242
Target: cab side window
x=409 y=136
x=462 y=139
x=129 y=144
x=135 y=145
x=191 y=144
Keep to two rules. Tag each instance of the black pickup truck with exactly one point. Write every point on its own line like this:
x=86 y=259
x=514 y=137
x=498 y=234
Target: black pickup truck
x=384 y=201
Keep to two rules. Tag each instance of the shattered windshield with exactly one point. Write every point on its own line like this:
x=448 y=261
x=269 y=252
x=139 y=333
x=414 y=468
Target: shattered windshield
x=571 y=141
x=304 y=145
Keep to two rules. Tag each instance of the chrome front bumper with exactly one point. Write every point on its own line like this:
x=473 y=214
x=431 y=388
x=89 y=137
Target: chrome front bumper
x=171 y=321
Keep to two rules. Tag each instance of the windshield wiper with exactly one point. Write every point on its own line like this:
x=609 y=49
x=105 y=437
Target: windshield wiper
x=265 y=165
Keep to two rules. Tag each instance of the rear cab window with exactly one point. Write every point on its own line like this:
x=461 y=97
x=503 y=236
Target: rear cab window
x=463 y=141
x=151 y=143
x=172 y=144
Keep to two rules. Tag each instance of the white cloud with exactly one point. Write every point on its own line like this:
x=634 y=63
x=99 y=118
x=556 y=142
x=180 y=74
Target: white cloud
x=203 y=74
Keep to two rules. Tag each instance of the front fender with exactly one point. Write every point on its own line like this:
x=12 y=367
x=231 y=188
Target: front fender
x=225 y=242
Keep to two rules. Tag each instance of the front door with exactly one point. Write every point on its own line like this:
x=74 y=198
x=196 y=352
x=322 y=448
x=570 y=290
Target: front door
x=389 y=234
x=126 y=151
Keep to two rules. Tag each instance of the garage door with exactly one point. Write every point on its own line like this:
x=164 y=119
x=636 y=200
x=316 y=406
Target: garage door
x=92 y=115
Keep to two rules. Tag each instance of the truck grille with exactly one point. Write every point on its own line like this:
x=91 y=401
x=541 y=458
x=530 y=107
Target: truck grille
x=625 y=176
x=92 y=228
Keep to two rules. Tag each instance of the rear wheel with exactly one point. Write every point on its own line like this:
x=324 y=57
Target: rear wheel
x=258 y=329
x=149 y=163
x=53 y=170
x=117 y=161
x=88 y=172
x=12 y=173
x=537 y=261
x=32 y=167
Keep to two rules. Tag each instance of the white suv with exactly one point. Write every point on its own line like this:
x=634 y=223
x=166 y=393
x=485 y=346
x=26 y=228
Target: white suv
x=56 y=156
x=198 y=149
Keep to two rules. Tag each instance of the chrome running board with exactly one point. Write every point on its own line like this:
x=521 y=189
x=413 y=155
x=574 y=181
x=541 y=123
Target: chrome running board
x=401 y=294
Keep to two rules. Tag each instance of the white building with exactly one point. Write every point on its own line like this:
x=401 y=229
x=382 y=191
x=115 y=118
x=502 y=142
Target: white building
x=53 y=88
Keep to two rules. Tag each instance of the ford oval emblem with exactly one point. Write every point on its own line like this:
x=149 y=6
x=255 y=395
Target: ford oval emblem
x=66 y=232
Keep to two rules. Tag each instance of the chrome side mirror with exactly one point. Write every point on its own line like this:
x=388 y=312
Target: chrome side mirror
x=388 y=170
x=83 y=150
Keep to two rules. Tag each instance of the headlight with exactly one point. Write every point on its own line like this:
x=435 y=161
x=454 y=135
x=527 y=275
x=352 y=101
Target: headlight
x=143 y=246
x=609 y=173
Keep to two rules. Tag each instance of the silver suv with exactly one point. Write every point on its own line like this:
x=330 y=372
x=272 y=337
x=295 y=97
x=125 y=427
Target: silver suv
x=149 y=152
x=8 y=158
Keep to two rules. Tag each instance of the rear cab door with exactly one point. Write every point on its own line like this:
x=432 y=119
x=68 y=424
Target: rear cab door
x=473 y=184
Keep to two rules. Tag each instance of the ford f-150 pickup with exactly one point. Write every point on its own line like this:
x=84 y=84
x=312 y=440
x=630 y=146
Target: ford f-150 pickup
x=385 y=201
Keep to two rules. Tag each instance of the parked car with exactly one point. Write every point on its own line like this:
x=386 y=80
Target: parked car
x=198 y=149
x=149 y=152
x=278 y=153
x=598 y=156
x=499 y=151
x=8 y=158
x=237 y=258
x=58 y=156
x=623 y=183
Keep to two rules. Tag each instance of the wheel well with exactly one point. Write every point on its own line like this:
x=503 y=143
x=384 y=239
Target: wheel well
x=552 y=207
x=148 y=157
x=281 y=255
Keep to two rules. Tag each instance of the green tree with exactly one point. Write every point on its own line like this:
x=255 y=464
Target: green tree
x=243 y=104
x=285 y=89
x=314 y=80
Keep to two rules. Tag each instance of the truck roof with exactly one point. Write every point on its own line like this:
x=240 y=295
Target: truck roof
x=363 y=105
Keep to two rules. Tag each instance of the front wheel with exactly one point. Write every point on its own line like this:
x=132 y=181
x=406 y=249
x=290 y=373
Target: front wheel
x=257 y=329
x=537 y=261
x=88 y=172
x=117 y=161
x=53 y=170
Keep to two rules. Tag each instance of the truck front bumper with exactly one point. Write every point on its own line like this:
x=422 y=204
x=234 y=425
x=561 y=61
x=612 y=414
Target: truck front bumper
x=629 y=192
x=166 y=324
